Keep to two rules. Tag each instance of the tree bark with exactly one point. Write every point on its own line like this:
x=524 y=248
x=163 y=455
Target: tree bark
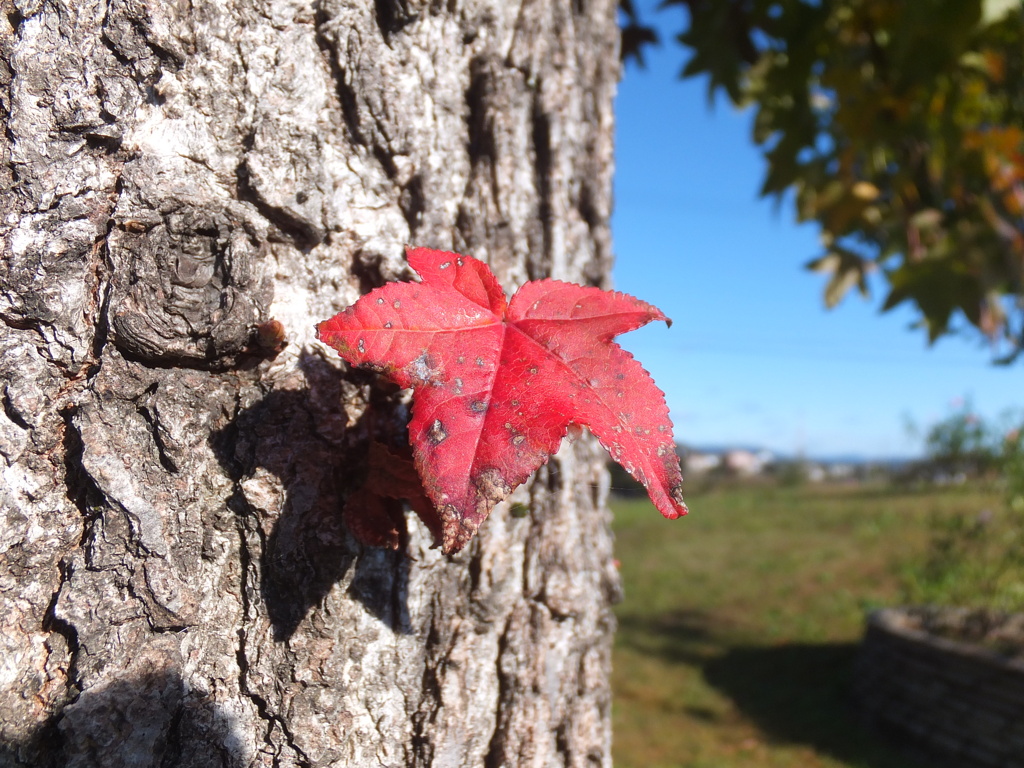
x=176 y=585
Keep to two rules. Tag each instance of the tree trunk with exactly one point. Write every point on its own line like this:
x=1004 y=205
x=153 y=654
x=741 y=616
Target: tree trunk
x=176 y=585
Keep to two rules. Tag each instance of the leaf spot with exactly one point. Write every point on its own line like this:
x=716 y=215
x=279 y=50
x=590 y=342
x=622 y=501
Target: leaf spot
x=397 y=305
x=380 y=300
x=445 y=265
x=387 y=324
x=455 y=533
x=422 y=368
x=490 y=488
x=677 y=495
x=361 y=345
x=533 y=369
x=436 y=434
x=459 y=261
x=518 y=439
x=478 y=406
x=479 y=362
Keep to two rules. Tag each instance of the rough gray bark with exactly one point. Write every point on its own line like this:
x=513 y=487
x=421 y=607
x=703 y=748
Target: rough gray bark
x=176 y=587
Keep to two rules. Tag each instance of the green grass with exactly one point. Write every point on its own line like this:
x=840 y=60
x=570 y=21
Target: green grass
x=741 y=621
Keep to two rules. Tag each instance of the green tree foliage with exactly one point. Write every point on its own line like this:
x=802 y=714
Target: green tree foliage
x=963 y=443
x=898 y=127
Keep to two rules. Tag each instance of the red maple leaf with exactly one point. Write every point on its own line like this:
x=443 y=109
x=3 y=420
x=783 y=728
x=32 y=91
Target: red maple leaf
x=496 y=384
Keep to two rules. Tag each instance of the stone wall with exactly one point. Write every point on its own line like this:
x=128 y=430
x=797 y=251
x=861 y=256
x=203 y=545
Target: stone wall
x=950 y=702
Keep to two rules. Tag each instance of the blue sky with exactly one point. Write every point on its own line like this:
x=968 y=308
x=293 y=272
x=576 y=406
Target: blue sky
x=753 y=357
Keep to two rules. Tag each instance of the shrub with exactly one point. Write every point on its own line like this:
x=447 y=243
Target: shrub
x=975 y=561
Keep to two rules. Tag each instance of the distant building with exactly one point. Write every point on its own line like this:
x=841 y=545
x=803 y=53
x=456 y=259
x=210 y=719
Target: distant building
x=746 y=463
x=814 y=472
x=697 y=463
x=841 y=470
x=736 y=461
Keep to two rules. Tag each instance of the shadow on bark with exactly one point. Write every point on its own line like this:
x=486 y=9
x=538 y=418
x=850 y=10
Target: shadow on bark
x=145 y=722
x=300 y=437
x=796 y=693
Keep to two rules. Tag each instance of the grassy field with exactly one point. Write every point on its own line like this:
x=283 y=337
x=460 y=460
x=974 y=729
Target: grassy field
x=740 y=622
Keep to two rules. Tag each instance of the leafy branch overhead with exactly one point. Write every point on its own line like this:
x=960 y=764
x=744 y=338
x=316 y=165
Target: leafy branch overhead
x=899 y=126
x=497 y=383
